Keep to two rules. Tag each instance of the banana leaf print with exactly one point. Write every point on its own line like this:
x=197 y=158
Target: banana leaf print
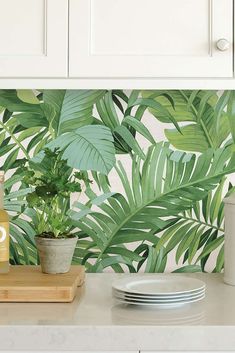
x=150 y=202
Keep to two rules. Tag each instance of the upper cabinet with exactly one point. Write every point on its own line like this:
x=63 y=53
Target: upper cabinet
x=150 y=38
x=131 y=44
x=33 y=38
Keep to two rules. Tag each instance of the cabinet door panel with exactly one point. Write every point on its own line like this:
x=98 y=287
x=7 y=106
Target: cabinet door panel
x=150 y=38
x=33 y=37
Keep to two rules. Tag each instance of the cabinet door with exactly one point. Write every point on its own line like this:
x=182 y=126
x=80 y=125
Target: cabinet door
x=33 y=38
x=150 y=38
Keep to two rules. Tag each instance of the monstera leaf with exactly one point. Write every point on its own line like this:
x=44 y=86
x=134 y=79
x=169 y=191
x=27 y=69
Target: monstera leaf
x=167 y=184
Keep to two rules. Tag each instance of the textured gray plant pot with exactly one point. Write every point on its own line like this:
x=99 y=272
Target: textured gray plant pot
x=55 y=254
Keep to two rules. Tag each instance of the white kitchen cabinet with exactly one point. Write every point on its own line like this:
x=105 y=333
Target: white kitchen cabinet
x=112 y=44
x=33 y=38
x=151 y=39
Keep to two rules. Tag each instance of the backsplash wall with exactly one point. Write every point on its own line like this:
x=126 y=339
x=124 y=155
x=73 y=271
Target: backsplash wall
x=159 y=163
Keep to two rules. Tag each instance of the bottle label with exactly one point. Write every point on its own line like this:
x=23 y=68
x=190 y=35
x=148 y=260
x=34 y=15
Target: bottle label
x=4 y=241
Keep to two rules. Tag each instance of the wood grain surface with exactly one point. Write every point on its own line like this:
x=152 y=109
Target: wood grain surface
x=29 y=284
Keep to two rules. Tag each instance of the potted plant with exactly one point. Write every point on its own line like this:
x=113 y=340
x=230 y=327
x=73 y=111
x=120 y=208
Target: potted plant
x=52 y=183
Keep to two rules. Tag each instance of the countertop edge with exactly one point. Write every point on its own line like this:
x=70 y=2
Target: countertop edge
x=58 y=337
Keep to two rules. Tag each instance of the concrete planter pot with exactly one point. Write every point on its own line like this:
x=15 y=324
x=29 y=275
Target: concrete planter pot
x=55 y=254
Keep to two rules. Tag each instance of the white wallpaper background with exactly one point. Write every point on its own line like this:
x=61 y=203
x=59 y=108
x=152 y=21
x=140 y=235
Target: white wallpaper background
x=157 y=129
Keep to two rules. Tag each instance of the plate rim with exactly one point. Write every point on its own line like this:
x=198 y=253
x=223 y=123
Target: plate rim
x=167 y=296
x=159 y=299
x=160 y=304
x=119 y=285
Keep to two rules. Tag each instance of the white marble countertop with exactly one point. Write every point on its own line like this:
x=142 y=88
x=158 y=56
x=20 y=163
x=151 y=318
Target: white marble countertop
x=95 y=322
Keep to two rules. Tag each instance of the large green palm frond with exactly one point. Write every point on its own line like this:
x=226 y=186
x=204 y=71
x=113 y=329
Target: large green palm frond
x=193 y=236
x=226 y=103
x=70 y=115
x=22 y=245
x=68 y=110
x=166 y=184
x=198 y=111
x=198 y=232
x=125 y=120
x=23 y=129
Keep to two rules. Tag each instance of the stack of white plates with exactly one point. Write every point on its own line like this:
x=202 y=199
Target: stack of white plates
x=160 y=290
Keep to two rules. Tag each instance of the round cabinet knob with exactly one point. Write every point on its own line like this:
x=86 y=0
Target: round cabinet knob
x=223 y=44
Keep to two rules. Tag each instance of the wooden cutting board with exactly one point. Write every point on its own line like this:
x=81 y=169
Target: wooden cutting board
x=29 y=284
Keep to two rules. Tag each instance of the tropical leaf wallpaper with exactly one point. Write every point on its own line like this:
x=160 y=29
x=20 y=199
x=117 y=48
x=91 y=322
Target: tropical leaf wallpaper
x=157 y=165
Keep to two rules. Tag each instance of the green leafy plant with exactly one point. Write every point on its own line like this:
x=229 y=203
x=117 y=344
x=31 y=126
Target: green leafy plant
x=53 y=185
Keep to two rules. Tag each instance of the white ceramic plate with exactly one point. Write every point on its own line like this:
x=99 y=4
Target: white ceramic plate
x=158 y=284
x=157 y=300
x=170 y=296
x=165 y=304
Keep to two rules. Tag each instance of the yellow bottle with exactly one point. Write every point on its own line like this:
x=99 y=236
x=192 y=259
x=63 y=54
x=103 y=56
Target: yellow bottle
x=4 y=231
